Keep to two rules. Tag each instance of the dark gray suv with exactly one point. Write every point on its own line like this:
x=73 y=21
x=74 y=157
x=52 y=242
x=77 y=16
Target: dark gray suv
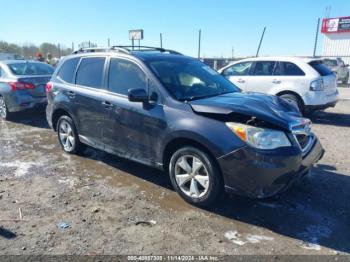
x=173 y=112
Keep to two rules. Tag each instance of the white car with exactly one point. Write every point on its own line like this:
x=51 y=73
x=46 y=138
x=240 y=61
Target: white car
x=305 y=82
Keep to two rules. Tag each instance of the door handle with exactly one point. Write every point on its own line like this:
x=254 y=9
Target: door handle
x=71 y=94
x=275 y=81
x=240 y=81
x=107 y=104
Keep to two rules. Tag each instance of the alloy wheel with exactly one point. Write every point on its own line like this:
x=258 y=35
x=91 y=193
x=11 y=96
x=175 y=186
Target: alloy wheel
x=192 y=176
x=66 y=136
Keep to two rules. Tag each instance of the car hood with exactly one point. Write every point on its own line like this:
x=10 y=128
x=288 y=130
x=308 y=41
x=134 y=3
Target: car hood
x=268 y=108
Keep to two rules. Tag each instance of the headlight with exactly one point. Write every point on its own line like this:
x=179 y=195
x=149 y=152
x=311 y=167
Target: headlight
x=261 y=138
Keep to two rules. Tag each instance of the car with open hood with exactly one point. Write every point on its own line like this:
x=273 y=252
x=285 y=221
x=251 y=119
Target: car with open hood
x=172 y=112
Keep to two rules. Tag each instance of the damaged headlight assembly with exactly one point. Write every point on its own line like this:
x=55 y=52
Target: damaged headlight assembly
x=261 y=138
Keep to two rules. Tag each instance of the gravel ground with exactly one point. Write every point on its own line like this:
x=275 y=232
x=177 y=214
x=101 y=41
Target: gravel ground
x=96 y=203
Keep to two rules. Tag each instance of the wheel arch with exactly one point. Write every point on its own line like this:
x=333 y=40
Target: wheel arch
x=57 y=113
x=176 y=143
x=286 y=92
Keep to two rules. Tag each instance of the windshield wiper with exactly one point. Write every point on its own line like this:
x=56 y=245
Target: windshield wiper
x=191 y=98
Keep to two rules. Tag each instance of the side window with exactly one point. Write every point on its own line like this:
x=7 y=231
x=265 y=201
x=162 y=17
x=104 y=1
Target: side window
x=341 y=63
x=291 y=69
x=67 y=70
x=90 y=72
x=124 y=75
x=264 y=68
x=2 y=72
x=239 y=69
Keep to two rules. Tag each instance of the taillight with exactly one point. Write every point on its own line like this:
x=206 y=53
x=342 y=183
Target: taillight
x=21 y=86
x=48 y=87
x=317 y=85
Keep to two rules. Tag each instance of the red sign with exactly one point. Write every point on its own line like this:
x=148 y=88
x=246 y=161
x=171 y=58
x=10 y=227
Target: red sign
x=336 y=25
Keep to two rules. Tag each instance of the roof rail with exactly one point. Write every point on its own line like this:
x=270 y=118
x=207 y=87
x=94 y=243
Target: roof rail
x=146 y=48
x=91 y=50
x=124 y=49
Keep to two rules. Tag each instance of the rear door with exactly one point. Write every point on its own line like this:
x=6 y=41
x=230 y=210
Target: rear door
x=287 y=76
x=238 y=73
x=87 y=99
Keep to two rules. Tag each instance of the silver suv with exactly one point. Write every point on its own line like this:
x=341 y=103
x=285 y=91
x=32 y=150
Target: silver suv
x=338 y=67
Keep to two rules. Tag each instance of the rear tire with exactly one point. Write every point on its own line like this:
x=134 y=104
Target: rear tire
x=293 y=99
x=195 y=176
x=68 y=136
x=4 y=113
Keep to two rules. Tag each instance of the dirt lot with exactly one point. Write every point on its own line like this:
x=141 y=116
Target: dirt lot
x=113 y=206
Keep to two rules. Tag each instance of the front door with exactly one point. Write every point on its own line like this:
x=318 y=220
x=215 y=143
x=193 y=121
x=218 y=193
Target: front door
x=238 y=74
x=133 y=128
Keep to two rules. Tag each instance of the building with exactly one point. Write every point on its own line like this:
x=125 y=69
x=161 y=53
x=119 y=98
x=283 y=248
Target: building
x=336 y=41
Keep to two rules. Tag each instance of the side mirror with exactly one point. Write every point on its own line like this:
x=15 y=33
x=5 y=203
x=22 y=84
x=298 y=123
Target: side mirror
x=137 y=95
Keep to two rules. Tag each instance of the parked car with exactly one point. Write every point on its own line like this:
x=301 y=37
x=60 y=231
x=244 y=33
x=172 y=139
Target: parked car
x=305 y=82
x=338 y=67
x=173 y=112
x=22 y=85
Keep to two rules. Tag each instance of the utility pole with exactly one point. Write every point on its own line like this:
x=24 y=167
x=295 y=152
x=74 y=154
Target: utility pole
x=316 y=38
x=72 y=46
x=261 y=39
x=59 y=50
x=199 y=43
x=109 y=42
x=132 y=43
x=161 y=40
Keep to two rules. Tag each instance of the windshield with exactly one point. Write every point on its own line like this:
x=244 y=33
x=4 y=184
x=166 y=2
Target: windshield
x=29 y=68
x=190 y=79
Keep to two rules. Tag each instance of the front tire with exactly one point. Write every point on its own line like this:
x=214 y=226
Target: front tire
x=195 y=176
x=68 y=135
x=4 y=113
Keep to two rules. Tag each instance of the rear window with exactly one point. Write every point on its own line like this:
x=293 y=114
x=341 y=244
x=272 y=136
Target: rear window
x=28 y=68
x=67 y=70
x=320 y=68
x=291 y=69
x=90 y=72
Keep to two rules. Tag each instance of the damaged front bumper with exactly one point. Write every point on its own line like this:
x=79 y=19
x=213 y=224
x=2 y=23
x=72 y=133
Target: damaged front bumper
x=261 y=173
